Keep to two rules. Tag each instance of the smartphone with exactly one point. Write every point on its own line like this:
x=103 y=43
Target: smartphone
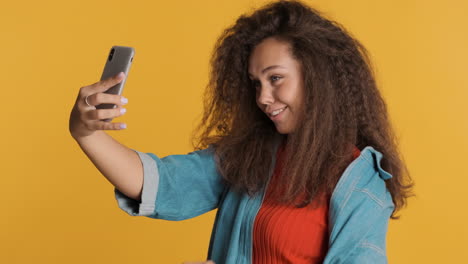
x=120 y=59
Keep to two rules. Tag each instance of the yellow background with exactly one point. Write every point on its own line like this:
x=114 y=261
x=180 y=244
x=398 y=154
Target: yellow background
x=57 y=208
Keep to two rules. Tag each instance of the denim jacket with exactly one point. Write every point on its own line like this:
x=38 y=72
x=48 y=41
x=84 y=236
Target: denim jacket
x=179 y=187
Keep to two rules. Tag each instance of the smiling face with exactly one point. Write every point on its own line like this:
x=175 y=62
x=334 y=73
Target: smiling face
x=278 y=81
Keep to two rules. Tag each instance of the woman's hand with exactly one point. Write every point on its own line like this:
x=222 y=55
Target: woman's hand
x=86 y=119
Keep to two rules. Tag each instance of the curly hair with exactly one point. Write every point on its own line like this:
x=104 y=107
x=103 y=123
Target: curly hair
x=344 y=108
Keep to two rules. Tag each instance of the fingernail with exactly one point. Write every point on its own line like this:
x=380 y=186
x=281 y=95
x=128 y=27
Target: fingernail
x=120 y=75
x=123 y=110
x=124 y=100
x=122 y=126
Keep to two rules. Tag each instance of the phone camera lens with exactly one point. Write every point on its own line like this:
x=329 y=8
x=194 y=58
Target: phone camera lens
x=111 y=54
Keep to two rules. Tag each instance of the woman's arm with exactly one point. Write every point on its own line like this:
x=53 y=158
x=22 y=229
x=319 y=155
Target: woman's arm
x=120 y=165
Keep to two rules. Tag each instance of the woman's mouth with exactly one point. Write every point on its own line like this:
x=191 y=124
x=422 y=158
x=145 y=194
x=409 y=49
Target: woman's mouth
x=275 y=115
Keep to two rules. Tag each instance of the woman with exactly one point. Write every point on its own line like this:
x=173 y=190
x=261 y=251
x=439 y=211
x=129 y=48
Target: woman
x=295 y=148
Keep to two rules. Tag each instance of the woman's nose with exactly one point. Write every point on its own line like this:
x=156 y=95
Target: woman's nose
x=265 y=96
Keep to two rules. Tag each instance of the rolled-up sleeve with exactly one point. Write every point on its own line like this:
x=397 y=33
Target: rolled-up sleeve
x=148 y=195
x=176 y=187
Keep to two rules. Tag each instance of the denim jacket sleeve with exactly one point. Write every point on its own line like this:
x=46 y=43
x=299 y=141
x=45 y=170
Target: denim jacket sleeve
x=371 y=248
x=176 y=187
x=360 y=210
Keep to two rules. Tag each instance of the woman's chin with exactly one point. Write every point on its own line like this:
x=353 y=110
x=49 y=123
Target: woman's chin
x=283 y=130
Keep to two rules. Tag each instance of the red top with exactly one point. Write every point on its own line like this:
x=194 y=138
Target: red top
x=285 y=234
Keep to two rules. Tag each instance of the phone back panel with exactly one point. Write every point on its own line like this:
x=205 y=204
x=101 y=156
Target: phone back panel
x=119 y=60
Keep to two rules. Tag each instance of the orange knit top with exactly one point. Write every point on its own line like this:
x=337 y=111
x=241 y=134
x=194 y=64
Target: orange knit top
x=285 y=234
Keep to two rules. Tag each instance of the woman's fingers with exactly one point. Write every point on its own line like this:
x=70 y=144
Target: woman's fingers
x=92 y=119
x=104 y=85
x=94 y=93
x=104 y=98
x=85 y=119
x=101 y=125
x=94 y=125
x=99 y=114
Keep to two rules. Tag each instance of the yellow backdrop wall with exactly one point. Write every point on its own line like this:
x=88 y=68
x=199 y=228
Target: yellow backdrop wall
x=57 y=208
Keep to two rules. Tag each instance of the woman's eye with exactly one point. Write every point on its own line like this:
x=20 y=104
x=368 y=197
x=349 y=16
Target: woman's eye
x=275 y=78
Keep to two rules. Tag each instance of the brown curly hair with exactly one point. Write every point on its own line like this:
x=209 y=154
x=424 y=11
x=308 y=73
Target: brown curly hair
x=344 y=108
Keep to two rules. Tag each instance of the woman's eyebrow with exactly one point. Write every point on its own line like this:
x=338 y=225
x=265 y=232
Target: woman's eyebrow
x=269 y=68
